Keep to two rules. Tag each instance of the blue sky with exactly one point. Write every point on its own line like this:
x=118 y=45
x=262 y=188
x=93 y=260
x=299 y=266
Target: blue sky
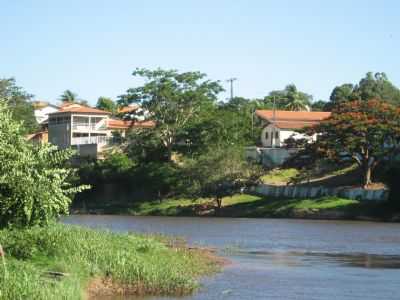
x=92 y=47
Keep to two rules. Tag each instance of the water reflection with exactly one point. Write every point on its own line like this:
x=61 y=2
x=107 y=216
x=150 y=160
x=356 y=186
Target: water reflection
x=282 y=259
x=293 y=259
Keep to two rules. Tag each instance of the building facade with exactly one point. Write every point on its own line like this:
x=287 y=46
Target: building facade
x=277 y=127
x=89 y=130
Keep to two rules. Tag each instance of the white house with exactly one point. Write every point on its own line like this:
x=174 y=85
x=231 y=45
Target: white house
x=277 y=127
x=280 y=125
x=87 y=129
x=42 y=110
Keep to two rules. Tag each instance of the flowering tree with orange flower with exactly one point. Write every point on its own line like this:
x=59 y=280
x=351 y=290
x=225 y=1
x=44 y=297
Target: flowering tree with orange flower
x=366 y=131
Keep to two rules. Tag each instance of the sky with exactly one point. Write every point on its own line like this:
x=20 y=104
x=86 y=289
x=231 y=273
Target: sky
x=92 y=46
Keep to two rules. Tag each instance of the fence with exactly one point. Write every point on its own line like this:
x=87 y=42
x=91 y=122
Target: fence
x=293 y=191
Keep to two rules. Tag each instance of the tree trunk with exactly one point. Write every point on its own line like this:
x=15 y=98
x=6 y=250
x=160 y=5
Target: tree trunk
x=219 y=205
x=169 y=152
x=367 y=175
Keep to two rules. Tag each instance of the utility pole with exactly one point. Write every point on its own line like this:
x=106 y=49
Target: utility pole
x=274 y=124
x=231 y=80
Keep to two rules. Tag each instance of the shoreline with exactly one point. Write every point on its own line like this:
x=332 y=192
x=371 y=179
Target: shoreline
x=331 y=216
x=106 y=286
x=82 y=263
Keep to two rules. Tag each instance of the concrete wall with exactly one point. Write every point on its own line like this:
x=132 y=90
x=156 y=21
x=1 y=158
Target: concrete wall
x=320 y=191
x=269 y=157
x=88 y=150
x=60 y=135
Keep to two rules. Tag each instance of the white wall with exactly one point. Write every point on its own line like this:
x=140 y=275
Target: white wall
x=283 y=134
x=42 y=114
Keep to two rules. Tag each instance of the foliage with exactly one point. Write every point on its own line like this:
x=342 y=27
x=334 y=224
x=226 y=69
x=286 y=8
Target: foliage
x=106 y=104
x=69 y=96
x=144 y=145
x=319 y=105
x=365 y=131
x=19 y=103
x=131 y=263
x=342 y=93
x=391 y=178
x=172 y=99
x=116 y=167
x=34 y=186
x=228 y=124
x=372 y=86
x=289 y=99
x=162 y=178
x=219 y=173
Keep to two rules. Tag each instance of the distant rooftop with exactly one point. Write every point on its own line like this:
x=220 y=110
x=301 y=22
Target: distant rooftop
x=79 y=108
x=293 y=119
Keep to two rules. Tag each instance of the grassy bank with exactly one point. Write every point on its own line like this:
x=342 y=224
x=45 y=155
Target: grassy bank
x=245 y=205
x=68 y=262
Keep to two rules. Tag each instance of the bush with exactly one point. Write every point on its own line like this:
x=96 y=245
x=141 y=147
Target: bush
x=34 y=185
x=392 y=180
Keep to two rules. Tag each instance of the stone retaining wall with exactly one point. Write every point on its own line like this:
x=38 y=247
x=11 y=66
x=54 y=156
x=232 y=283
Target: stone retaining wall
x=292 y=191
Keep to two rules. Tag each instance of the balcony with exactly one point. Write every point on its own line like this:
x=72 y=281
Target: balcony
x=86 y=140
x=89 y=127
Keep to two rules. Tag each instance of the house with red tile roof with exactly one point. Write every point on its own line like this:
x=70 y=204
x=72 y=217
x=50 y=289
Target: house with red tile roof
x=279 y=125
x=89 y=130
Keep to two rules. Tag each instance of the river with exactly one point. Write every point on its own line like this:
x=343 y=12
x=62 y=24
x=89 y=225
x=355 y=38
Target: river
x=282 y=258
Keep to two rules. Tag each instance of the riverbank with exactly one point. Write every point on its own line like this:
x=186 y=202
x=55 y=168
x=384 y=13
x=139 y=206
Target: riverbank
x=69 y=262
x=254 y=206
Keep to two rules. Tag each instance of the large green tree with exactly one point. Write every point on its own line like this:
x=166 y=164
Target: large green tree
x=172 y=99
x=19 y=103
x=368 y=132
x=34 y=187
x=372 y=86
x=219 y=173
x=106 y=104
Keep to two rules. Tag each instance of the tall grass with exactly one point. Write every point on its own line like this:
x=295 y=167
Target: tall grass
x=143 y=263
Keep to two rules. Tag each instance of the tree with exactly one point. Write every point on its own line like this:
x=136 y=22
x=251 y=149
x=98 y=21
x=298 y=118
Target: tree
x=106 y=104
x=19 y=103
x=219 y=173
x=172 y=99
x=319 y=105
x=342 y=93
x=372 y=86
x=69 y=96
x=297 y=100
x=34 y=185
x=377 y=86
x=368 y=132
x=289 y=98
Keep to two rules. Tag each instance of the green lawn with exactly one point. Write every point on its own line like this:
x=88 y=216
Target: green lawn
x=280 y=176
x=133 y=263
x=245 y=205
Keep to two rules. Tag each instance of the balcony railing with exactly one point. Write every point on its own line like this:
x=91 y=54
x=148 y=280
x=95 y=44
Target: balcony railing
x=99 y=140
x=89 y=127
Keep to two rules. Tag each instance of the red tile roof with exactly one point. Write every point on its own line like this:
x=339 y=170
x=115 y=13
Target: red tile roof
x=121 y=124
x=293 y=119
x=78 y=108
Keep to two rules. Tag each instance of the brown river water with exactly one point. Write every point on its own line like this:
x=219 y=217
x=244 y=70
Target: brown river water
x=281 y=258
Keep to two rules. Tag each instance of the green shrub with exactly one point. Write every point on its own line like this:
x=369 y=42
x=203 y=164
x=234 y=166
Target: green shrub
x=34 y=185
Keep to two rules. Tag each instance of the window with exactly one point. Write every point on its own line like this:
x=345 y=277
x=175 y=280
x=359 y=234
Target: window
x=266 y=135
x=276 y=135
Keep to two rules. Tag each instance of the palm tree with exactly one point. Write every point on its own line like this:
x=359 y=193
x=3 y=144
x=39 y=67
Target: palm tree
x=296 y=101
x=69 y=96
